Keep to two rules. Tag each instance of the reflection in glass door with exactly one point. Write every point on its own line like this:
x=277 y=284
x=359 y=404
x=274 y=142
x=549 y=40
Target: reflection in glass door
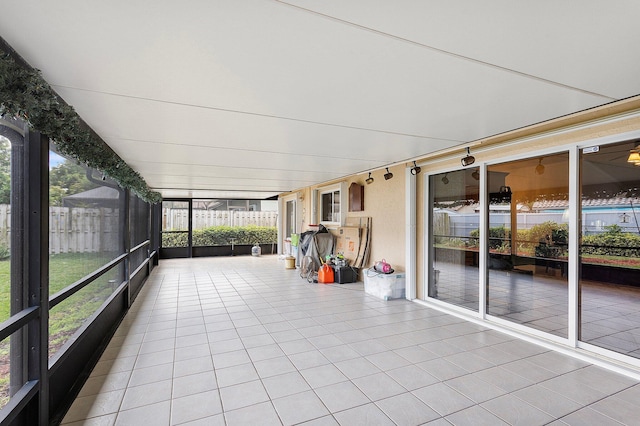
x=610 y=248
x=290 y=226
x=528 y=242
x=454 y=224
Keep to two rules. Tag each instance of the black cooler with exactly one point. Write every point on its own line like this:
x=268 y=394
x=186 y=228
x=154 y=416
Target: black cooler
x=345 y=274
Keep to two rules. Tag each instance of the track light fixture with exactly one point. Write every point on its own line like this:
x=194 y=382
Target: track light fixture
x=539 y=167
x=468 y=160
x=445 y=179
x=388 y=175
x=634 y=156
x=369 y=179
x=415 y=169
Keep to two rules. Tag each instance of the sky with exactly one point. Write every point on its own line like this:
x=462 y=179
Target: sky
x=55 y=160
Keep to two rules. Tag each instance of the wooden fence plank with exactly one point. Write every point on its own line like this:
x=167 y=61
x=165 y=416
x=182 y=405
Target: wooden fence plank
x=90 y=230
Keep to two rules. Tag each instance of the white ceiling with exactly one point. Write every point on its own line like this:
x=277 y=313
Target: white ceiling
x=208 y=98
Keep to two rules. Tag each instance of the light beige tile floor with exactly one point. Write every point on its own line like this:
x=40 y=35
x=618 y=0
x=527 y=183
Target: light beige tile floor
x=243 y=341
x=610 y=314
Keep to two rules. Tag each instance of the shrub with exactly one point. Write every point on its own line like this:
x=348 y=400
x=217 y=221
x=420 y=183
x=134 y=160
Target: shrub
x=474 y=238
x=5 y=252
x=554 y=236
x=222 y=235
x=550 y=232
x=178 y=239
x=454 y=242
x=613 y=242
x=499 y=238
x=527 y=239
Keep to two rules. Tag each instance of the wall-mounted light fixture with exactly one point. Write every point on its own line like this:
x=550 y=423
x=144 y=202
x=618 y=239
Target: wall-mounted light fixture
x=634 y=156
x=369 y=179
x=388 y=175
x=445 y=179
x=468 y=160
x=540 y=167
x=415 y=169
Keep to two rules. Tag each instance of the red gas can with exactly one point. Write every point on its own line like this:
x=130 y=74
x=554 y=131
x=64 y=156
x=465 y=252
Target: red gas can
x=325 y=274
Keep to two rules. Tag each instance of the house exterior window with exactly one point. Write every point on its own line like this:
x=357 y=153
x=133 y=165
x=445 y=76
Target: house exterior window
x=330 y=206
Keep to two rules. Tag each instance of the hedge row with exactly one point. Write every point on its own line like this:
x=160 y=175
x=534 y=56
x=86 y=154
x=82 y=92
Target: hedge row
x=612 y=244
x=222 y=236
x=549 y=239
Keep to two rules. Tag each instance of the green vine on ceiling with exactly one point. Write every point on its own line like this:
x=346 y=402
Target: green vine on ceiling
x=26 y=95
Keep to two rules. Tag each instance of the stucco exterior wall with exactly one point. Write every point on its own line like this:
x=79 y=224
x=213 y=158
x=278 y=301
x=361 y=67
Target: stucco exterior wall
x=607 y=121
x=385 y=201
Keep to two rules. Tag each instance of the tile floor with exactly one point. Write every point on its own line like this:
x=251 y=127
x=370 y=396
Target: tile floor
x=610 y=313
x=243 y=341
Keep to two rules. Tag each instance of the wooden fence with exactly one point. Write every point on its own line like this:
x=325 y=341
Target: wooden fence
x=83 y=230
x=178 y=219
x=93 y=230
x=73 y=230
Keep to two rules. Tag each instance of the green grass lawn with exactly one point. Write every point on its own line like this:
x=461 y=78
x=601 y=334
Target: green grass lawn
x=5 y=289
x=68 y=316
x=65 y=318
x=64 y=269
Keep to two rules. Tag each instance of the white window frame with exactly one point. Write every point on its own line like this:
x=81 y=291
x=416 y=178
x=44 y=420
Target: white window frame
x=343 y=198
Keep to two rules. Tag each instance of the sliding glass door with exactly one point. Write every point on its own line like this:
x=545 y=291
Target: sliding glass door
x=610 y=249
x=525 y=244
x=528 y=242
x=454 y=237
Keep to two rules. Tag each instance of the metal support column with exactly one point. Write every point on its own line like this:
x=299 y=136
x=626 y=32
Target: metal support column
x=126 y=240
x=37 y=269
x=19 y=294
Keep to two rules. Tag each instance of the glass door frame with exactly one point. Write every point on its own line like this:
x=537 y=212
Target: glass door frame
x=572 y=340
x=178 y=252
x=481 y=313
x=285 y=246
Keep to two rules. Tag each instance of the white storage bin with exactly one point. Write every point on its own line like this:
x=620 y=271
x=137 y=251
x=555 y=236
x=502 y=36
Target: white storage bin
x=384 y=286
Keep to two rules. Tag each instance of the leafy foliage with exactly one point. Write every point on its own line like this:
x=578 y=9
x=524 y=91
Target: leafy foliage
x=613 y=242
x=177 y=239
x=5 y=252
x=453 y=242
x=5 y=171
x=499 y=238
x=67 y=178
x=550 y=239
x=557 y=233
x=25 y=94
x=222 y=236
